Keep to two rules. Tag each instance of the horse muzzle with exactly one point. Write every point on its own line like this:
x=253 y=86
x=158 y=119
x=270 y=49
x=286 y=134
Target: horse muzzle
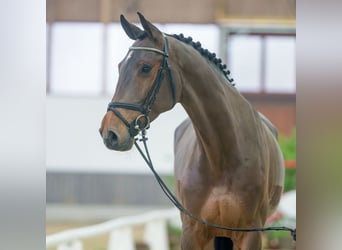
x=113 y=141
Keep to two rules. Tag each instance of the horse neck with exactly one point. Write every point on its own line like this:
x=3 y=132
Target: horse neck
x=215 y=109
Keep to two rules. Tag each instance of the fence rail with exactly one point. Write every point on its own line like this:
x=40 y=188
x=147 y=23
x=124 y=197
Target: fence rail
x=121 y=232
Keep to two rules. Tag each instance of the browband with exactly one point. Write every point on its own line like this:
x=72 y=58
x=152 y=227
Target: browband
x=149 y=49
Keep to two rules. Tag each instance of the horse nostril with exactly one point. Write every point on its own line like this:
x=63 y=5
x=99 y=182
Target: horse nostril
x=114 y=141
x=112 y=138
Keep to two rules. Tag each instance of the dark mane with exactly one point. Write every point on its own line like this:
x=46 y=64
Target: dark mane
x=206 y=53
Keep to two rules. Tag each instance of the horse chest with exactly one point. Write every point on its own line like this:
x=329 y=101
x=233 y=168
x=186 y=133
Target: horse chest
x=209 y=198
x=222 y=206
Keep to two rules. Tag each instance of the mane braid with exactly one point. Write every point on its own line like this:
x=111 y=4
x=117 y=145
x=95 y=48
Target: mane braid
x=206 y=53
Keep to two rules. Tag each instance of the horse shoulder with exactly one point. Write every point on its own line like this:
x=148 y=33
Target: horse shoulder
x=180 y=130
x=185 y=149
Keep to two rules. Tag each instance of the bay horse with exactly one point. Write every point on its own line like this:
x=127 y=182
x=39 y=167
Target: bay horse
x=228 y=166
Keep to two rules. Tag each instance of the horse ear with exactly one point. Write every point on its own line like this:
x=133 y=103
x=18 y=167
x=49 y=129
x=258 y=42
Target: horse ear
x=152 y=32
x=131 y=30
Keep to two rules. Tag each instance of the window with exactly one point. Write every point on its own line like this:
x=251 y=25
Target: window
x=117 y=47
x=262 y=63
x=83 y=58
x=76 y=58
x=280 y=64
x=244 y=62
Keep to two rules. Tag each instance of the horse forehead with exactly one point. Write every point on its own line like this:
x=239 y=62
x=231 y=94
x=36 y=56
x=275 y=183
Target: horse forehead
x=132 y=55
x=126 y=58
x=129 y=54
x=143 y=43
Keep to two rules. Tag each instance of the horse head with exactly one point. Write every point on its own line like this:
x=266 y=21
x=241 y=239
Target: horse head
x=146 y=86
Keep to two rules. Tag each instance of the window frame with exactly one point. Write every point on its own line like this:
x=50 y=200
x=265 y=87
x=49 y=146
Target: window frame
x=263 y=32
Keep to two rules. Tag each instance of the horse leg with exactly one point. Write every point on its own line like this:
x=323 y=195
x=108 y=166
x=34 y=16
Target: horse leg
x=189 y=240
x=252 y=241
x=195 y=237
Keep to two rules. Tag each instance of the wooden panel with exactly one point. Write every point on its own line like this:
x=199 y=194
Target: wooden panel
x=165 y=11
x=279 y=109
x=256 y=9
x=158 y=11
x=283 y=116
x=73 y=10
x=103 y=188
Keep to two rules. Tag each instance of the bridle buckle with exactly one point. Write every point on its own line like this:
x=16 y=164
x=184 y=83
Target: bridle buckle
x=142 y=122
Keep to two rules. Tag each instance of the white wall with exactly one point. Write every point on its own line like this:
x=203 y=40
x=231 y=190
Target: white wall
x=73 y=142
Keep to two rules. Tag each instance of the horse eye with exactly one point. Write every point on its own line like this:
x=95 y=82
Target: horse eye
x=145 y=69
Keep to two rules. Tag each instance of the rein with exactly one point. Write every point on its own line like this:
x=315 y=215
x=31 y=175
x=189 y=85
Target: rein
x=142 y=123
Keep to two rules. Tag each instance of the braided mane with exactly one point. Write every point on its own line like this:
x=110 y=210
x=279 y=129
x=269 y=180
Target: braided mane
x=206 y=53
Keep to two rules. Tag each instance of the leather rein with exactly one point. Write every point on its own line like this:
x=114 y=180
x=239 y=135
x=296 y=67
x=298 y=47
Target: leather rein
x=142 y=123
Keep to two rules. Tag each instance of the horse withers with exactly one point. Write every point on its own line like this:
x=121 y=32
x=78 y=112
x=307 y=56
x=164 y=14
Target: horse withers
x=228 y=165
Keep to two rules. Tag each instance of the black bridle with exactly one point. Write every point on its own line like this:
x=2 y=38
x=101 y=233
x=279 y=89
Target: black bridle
x=141 y=124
